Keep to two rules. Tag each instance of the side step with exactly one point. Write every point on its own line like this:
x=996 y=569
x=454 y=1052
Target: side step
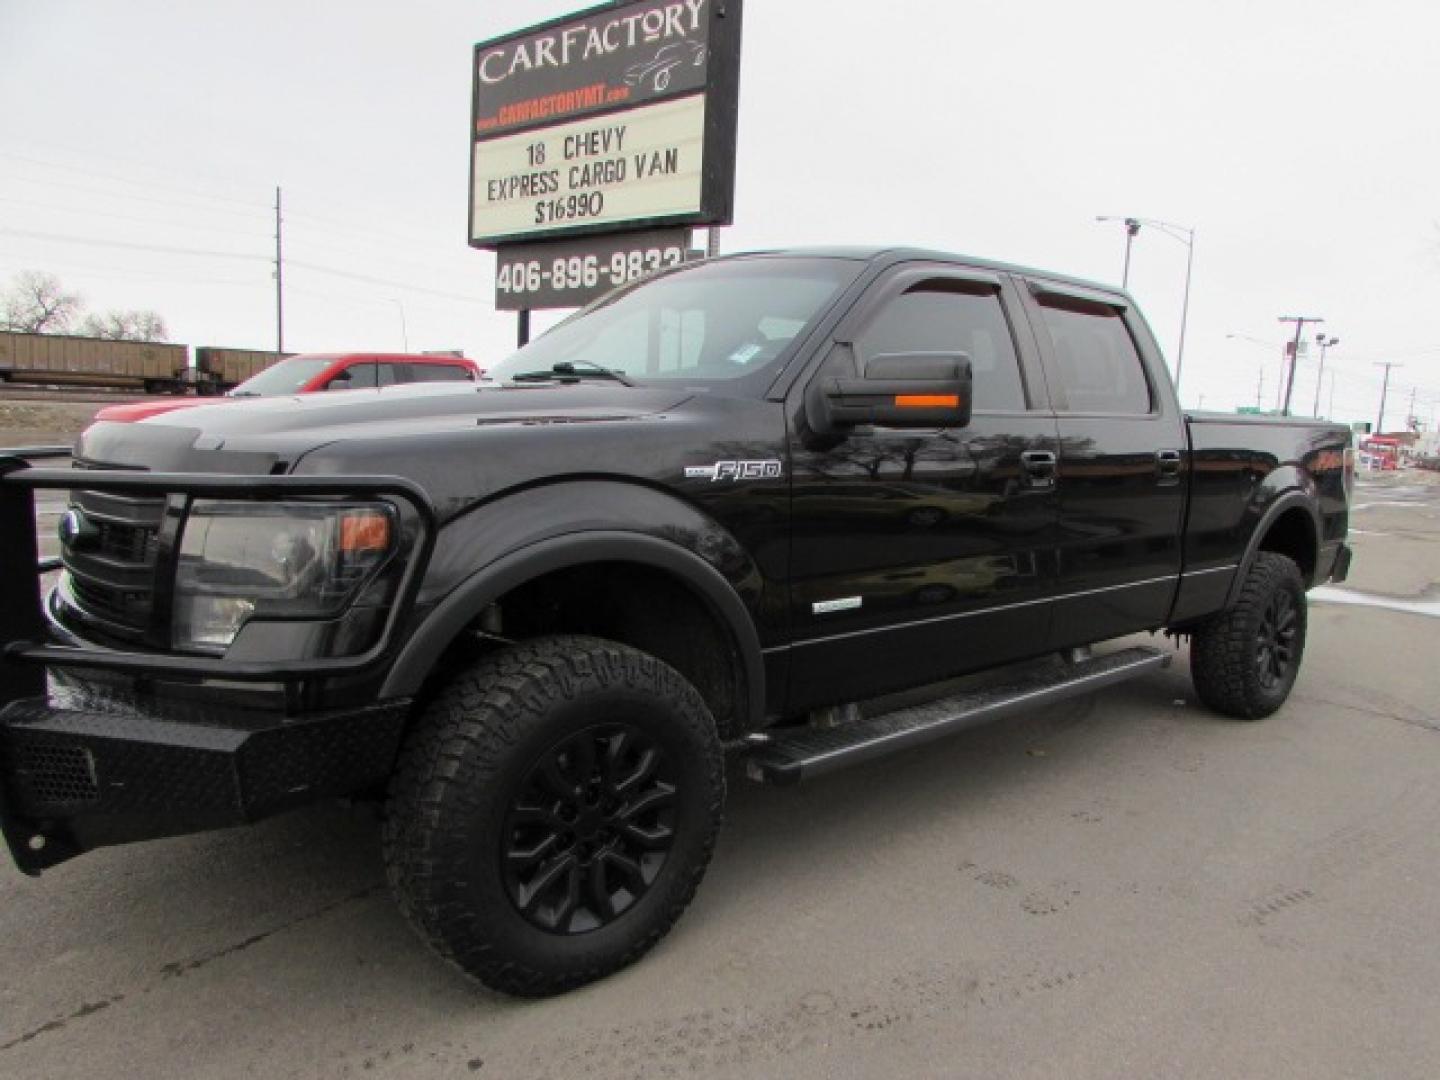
x=788 y=756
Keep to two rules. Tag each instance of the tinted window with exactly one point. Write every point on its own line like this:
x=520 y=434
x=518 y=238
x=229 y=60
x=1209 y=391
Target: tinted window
x=385 y=374
x=438 y=373
x=360 y=375
x=952 y=316
x=1100 y=369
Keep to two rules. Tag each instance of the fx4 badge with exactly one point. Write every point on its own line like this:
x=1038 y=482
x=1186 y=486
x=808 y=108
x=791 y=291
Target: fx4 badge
x=735 y=470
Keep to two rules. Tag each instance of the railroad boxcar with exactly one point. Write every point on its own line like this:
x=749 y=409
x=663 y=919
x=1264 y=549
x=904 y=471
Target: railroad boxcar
x=62 y=359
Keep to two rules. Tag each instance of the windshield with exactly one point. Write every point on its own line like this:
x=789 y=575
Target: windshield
x=286 y=377
x=716 y=321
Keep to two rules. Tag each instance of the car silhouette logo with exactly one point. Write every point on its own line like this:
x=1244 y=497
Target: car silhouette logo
x=657 y=69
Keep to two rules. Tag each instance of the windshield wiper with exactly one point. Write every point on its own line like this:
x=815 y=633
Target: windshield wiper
x=564 y=370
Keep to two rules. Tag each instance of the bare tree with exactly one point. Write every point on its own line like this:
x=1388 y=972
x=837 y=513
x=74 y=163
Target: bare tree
x=36 y=303
x=126 y=326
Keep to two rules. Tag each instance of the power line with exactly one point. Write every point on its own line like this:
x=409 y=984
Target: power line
x=383 y=281
x=110 y=215
x=129 y=275
x=126 y=180
x=431 y=266
x=63 y=238
x=133 y=197
x=209 y=253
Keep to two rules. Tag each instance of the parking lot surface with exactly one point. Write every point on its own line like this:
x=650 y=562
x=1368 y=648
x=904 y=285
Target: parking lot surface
x=1126 y=885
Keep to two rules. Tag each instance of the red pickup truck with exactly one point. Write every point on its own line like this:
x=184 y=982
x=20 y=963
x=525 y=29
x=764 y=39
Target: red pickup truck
x=309 y=372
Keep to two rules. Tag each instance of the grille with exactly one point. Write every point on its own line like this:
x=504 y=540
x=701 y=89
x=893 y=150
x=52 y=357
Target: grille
x=129 y=543
x=56 y=775
x=112 y=571
x=129 y=607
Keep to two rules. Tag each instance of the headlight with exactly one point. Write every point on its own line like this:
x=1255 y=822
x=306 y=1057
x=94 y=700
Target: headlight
x=242 y=560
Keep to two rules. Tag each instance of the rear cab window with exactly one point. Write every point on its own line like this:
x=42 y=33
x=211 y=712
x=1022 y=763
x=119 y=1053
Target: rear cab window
x=1096 y=360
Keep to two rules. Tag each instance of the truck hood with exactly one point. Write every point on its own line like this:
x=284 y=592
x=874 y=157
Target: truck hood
x=254 y=435
x=132 y=411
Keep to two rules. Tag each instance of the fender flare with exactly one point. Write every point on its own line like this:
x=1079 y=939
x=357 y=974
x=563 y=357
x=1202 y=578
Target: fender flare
x=1291 y=500
x=461 y=607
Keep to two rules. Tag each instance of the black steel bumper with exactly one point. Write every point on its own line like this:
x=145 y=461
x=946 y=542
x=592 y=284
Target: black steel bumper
x=85 y=770
x=83 y=767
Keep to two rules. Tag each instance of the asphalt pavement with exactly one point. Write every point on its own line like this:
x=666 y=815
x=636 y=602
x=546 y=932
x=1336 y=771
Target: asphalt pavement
x=1123 y=886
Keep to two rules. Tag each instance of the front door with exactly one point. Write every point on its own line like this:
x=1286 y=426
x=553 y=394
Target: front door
x=919 y=555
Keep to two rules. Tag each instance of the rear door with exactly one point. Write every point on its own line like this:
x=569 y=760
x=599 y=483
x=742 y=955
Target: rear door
x=917 y=555
x=1122 y=462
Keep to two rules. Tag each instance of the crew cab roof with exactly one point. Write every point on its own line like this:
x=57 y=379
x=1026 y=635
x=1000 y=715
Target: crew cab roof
x=888 y=254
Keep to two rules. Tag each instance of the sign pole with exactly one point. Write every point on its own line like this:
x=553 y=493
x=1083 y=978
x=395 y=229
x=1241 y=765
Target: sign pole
x=522 y=328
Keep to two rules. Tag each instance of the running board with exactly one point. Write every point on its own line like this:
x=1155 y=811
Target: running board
x=790 y=755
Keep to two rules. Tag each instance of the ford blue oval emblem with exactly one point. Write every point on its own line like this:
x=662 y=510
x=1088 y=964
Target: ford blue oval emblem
x=72 y=527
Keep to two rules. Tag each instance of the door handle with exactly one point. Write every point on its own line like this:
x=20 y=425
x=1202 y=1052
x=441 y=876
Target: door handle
x=1167 y=464
x=1039 y=466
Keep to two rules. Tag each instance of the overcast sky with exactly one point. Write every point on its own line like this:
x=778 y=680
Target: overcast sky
x=141 y=144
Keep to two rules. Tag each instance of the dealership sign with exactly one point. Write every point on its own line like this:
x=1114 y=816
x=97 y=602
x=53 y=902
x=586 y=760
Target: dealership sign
x=621 y=117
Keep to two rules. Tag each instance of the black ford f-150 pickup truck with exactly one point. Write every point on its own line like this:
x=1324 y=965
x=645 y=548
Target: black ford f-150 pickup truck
x=732 y=507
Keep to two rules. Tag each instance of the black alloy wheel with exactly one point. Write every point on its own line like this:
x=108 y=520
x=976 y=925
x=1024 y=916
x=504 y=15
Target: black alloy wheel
x=1275 y=641
x=590 y=829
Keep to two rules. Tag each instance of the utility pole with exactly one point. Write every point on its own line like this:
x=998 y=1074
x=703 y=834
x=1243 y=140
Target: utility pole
x=1324 y=344
x=1259 y=386
x=279 y=281
x=1384 y=390
x=1299 y=321
x=1411 y=422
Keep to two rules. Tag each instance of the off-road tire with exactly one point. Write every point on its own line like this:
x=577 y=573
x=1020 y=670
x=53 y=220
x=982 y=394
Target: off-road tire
x=1232 y=654
x=461 y=778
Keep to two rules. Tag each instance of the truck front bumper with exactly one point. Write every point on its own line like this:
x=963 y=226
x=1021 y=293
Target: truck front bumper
x=84 y=765
x=87 y=769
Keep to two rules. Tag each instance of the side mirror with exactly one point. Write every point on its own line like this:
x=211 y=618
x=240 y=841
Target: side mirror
x=899 y=390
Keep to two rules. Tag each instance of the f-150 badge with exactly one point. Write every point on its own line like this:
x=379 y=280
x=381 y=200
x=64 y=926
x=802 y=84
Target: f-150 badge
x=735 y=470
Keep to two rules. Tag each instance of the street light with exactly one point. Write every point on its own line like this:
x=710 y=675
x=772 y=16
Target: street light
x=1186 y=236
x=1132 y=226
x=1324 y=343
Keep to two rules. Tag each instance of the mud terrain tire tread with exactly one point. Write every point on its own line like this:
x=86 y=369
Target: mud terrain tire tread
x=465 y=743
x=1222 y=649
